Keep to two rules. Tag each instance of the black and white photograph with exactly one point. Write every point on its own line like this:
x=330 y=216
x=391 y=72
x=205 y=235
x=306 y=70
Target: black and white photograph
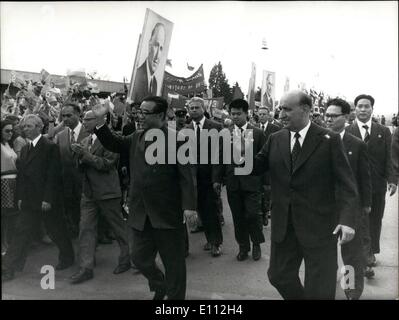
x=216 y=152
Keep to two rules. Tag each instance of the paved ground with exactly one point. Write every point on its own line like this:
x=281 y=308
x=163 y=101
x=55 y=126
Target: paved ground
x=208 y=278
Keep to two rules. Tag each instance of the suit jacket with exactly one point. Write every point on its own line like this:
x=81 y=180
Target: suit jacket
x=141 y=89
x=71 y=175
x=271 y=128
x=100 y=176
x=159 y=191
x=251 y=183
x=319 y=193
x=395 y=154
x=379 y=151
x=205 y=171
x=356 y=151
x=39 y=175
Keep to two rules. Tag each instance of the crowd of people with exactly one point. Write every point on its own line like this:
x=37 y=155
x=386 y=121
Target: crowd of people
x=76 y=170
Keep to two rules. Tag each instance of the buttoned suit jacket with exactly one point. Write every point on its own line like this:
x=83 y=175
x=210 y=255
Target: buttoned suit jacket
x=71 y=175
x=379 y=151
x=99 y=168
x=319 y=192
x=158 y=191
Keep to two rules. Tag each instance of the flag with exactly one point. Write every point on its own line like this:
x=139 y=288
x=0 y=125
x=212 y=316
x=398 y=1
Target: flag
x=287 y=85
x=169 y=62
x=190 y=67
x=44 y=75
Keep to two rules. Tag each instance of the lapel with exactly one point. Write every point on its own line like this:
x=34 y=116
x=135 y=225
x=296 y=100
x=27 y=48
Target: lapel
x=312 y=140
x=356 y=131
x=36 y=150
x=347 y=141
x=82 y=134
x=206 y=124
x=95 y=146
x=284 y=147
x=375 y=132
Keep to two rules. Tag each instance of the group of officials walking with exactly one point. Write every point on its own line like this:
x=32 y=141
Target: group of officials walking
x=320 y=184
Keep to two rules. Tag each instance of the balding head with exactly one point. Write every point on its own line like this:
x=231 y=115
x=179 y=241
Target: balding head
x=89 y=121
x=296 y=106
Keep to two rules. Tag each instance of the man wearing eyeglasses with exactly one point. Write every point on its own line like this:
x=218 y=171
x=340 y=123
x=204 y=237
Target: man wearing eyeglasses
x=354 y=253
x=378 y=140
x=160 y=194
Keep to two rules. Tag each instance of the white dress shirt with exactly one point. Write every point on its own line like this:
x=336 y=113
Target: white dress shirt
x=201 y=125
x=342 y=133
x=150 y=77
x=237 y=129
x=36 y=140
x=362 y=130
x=76 y=131
x=265 y=126
x=303 y=133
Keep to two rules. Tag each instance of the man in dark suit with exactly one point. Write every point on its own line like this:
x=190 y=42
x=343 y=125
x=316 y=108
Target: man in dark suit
x=313 y=189
x=378 y=140
x=243 y=191
x=268 y=128
x=39 y=198
x=395 y=154
x=355 y=252
x=71 y=176
x=207 y=197
x=159 y=196
x=100 y=195
x=145 y=82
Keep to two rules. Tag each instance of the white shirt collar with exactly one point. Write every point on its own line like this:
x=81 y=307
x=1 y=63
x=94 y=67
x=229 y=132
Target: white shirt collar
x=362 y=130
x=93 y=138
x=342 y=133
x=36 y=140
x=77 y=130
x=303 y=133
x=244 y=127
x=202 y=121
x=265 y=124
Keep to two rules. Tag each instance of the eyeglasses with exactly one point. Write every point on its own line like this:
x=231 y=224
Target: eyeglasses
x=332 y=116
x=146 y=113
x=8 y=130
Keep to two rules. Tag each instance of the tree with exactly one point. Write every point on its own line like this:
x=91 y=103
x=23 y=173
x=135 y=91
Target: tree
x=219 y=84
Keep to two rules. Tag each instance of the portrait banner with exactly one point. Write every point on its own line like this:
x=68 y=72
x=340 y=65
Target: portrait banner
x=268 y=89
x=251 y=87
x=150 y=61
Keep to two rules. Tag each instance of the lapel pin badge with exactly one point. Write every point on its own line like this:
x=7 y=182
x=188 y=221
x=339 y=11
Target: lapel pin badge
x=379 y=136
x=350 y=152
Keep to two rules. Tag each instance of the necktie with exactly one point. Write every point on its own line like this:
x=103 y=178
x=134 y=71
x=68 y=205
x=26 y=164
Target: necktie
x=153 y=86
x=30 y=147
x=263 y=127
x=367 y=135
x=73 y=137
x=198 y=136
x=296 y=150
x=90 y=142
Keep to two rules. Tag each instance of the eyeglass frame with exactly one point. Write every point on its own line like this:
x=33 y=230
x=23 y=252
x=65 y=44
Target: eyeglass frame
x=333 y=116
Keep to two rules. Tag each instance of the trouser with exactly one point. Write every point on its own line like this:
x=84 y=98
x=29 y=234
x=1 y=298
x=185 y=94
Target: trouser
x=110 y=209
x=72 y=213
x=27 y=221
x=375 y=219
x=207 y=209
x=247 y=217
x=170 y=245
x=320 y=268
x=266 y=204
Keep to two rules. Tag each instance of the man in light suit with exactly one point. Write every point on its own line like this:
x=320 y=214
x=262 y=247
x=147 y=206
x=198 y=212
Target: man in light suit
x=207 y=197
x=160 y=194
x=244 y=192
x=355 y=252
x=313 y=192
x=268 y=128
x=39 y=199
x=71 y=175
x=101 y=194
x=378 y=140
x=145 y=82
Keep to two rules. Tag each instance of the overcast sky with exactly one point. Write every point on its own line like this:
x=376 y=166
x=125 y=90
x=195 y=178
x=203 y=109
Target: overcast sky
x=344 y=48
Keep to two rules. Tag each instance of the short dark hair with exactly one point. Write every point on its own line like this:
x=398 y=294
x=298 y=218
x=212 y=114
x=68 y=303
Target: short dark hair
x=239 y=104
x=364 y=96
x=75 y=107
x=345 y=106
x=305 y=99
x=161 y=105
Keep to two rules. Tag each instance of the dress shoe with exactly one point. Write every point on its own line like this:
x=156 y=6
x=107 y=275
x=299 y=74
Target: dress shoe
x=256 y=252
x=197 y=229
x=207 y=246
x=372 y=261
x=7 y=275
x=242 y=255
x=62 y=265
x=159 y=294
x=216 y=251
x=81 y=276
x=122 y=268
x=369 y=273
x=265 y=219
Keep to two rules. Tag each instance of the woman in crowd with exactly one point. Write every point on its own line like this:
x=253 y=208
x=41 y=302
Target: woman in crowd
x=8 y=184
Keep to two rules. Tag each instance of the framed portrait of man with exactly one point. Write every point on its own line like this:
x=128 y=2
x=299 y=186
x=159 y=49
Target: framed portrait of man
x=268 y=89
x=152 y=52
